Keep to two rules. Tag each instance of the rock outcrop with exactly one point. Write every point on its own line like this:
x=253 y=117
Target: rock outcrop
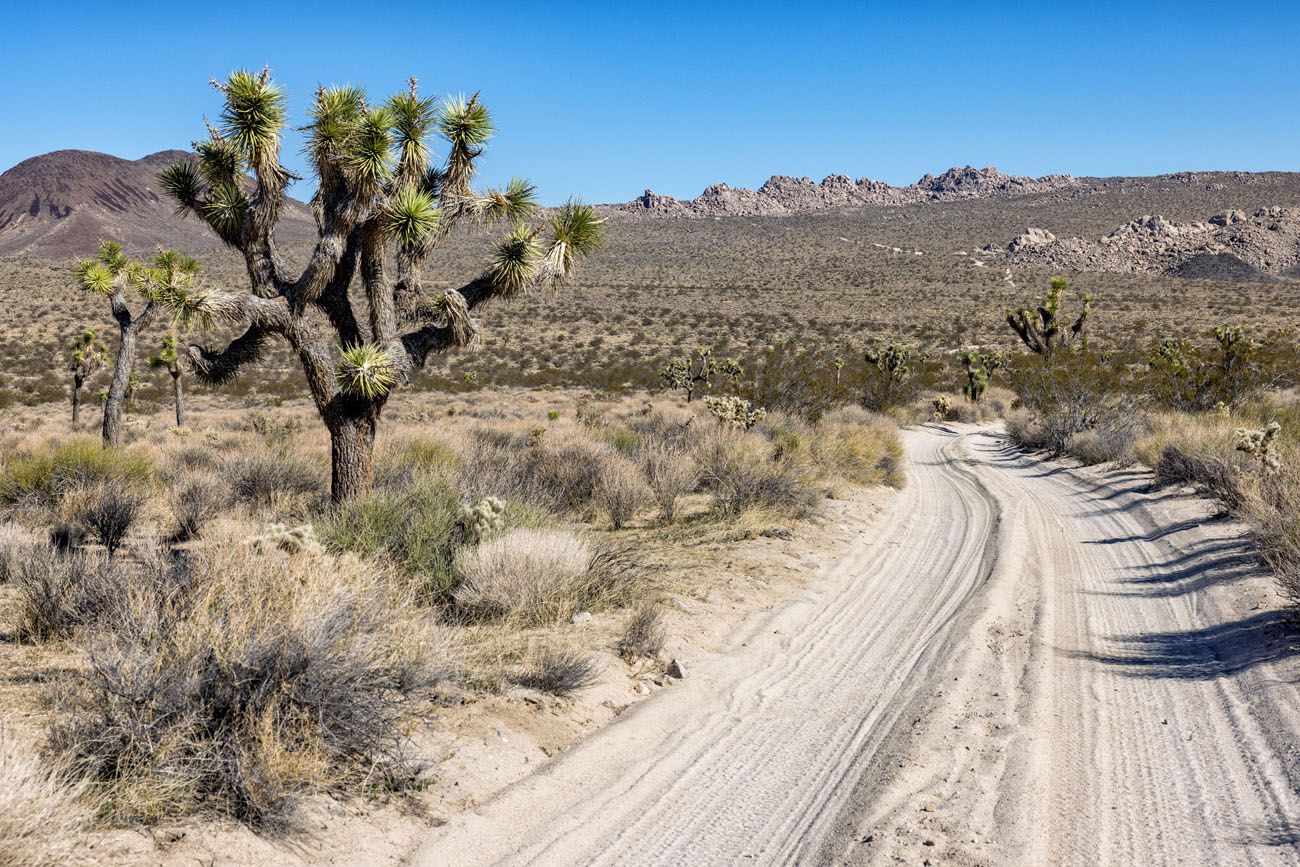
x=782 y=194
x=1231 y=245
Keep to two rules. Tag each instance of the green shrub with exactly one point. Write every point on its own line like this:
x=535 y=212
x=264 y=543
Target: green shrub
x=42 y=477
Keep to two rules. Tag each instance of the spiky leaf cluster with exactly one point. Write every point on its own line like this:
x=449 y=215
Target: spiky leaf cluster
x=366 y=371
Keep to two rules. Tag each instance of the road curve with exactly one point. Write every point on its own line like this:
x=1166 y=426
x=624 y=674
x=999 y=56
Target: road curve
x=1021 y=664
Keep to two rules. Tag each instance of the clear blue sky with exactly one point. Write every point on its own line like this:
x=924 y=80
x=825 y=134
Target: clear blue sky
x=604 y=99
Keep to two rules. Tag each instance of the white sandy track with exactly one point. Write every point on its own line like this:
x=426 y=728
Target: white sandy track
x=1020 y=665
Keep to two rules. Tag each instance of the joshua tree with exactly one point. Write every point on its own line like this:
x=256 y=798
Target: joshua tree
x=980 y=367
x=85 y=359
x=687 y=373
x=166 y=285
x=378 y=192
x=169 y=358
x=1040 y=331
x=1195 y=378
x=893 y=363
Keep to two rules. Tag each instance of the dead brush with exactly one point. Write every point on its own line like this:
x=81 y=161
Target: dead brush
x=267 y=675
x=195 y=501
x=109 y=513
x=58 y=593
x=644 y=635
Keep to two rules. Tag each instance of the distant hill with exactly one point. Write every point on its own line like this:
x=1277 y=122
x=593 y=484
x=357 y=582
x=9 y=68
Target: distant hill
x=64 y=202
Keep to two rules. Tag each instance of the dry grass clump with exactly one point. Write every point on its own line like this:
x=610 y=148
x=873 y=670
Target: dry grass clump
x=17 y=545
x=195 y=501
x=858 y=446
x=262 y=479
x=557 y=669
x=240 y=679
x=42 y=817
x=531 y=577
x=644 y=635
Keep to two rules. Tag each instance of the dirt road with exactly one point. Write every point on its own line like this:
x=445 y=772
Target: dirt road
x=1020 y=664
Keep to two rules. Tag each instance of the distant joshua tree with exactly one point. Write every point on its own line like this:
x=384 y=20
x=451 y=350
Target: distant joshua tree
x=85 y=359
x=380 y=199
x=164 y=286
x=169 y=359
x=687 y=373
x=893 y=364
x=1040 y=331
x=979 y=367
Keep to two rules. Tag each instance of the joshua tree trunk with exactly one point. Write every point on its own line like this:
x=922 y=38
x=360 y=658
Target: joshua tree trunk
x=117 y=387
x=352 y=447
x=178 y=394
x=77 y=383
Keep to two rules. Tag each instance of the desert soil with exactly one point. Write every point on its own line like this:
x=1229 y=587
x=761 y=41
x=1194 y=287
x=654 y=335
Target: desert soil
x=1015 y=663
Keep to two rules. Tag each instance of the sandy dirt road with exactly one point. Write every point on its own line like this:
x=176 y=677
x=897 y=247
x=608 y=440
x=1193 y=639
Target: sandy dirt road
x=1019 y=664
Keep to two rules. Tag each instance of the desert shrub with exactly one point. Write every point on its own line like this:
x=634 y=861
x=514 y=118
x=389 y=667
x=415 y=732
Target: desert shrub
x=621 y=491
x=67 y=534
x=400 y=464
x=266 y=675
x=259 y=480
x=42 y=477
x=643 y=636
x=855 y=445
x=418 y=529
x=558 y=669
x=742 y=473
x=109 y=514
x=17 y=545
x=195 y=502
x=1186 y=465
x=1111 y=441
x=671 y=473
x=42 y=817
x=533 y=576
x=57 y=593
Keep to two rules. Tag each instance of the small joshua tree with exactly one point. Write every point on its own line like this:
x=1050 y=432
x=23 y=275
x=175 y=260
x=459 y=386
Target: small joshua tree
x=979 y=367
x=382 y=205
x=893 y=364
x=163 y=286
x=1041 y=331
x=85 y=359
x=1196 y=378
x=687 y=373
x=169 y=359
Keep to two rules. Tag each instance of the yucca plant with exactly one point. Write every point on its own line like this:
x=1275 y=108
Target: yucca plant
x=166 y=285
x=380 y=198
x=892 y=363
x=85 y=358
x=979 y=365
x=169 y=359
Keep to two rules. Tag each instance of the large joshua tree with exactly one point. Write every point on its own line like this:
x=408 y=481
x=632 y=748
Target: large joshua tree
x=381 y=207
x=166 y=285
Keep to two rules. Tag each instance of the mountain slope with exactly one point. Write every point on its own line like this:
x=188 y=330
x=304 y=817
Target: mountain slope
x=64 y=202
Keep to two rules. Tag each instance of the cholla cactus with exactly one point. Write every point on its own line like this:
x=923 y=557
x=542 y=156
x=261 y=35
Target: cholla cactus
x=1222 y=410
x=291 y=540
x=1260 y=444
x=942 y=407
x=686 y=373
x=482 y=519
x=735 y=411
x=1040 y=331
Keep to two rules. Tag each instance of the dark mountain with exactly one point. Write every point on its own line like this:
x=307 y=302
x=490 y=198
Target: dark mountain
x=64 y=202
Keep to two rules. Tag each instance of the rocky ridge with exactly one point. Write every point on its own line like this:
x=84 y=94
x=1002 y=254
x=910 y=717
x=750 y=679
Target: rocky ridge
x=1229 y=244
x=782 y=194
